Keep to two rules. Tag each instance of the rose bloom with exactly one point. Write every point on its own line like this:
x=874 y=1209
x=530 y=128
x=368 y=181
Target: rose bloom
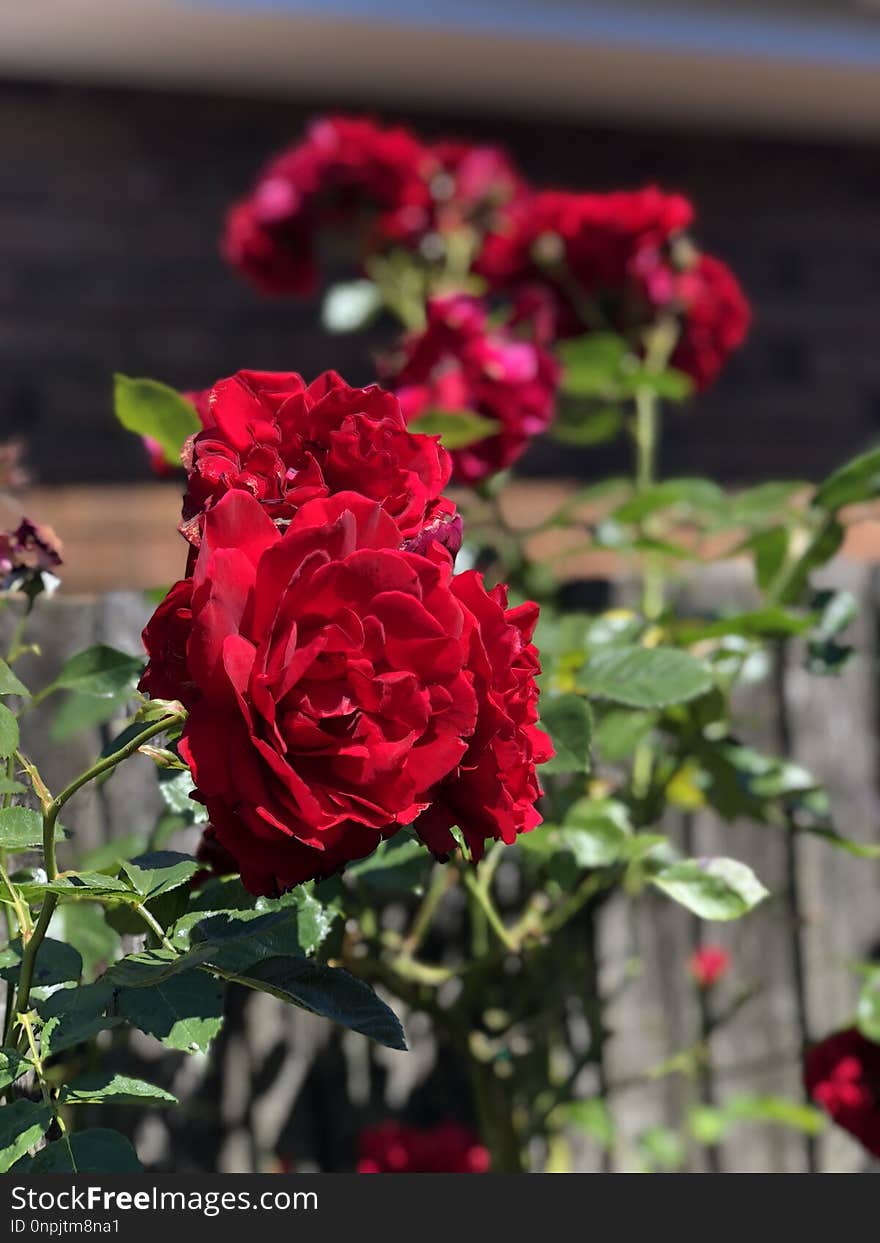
x=842 y=1075
x=367 y=183
x=339 y=687
x=618 y=261
x=709 y=964
x=460 y=363
x=449 y=1148
x=286 y=442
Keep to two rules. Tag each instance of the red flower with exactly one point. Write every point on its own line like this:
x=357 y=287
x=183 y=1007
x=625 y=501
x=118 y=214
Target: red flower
x=617 y=261
x=715 y=318
x=842 y=1075
x=348 y=174
x=449 y=1148
x=337 y=684
x=460 y=363
x=709 y=964
x=582 y=244
x=472 y=187
x=285 y=442
x=493 y=792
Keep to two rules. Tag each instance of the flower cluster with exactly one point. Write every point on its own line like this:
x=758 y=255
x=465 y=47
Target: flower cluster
x=842 y=1075
x=448 y=1148
x=467 y=232
x=341 y=681
x=463 y=364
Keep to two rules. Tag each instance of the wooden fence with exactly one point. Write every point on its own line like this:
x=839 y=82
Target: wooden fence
x=283 y=1082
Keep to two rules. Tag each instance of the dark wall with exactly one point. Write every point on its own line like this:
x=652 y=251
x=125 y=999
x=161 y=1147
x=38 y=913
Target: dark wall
x=111 y=203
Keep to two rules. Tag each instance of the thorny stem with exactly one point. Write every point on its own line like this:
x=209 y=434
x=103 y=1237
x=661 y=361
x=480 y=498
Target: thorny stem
x=793 y=900
x=51 y=810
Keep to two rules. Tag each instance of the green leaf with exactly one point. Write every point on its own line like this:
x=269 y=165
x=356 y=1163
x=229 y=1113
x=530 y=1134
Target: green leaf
x=662 y=1149
x=9 y=683
x=89 y=933
x=868 y=1008
x=777 y=1111
x=769 y=550
x=596 y=831
x=78 y=886
x=148 y=968
x=620 y=730
x=594 y=364
x=71 y=1016
x=114 y=1089
x=837 y=610
x=96 y=1151
x=587 y=427
x=569 y=721
x=160 y=871
x=78 y=712
x=22 y=1124
x=397 y=866
x=857 y=481
x=456 y=428
x=591 y=1117
x=56 y=963
x=184 y=1013
x=714 y=889
x=12 y=1066
x=149 y=408
x=100 y=671
x=769 y=623
x=8 y=732
x=330 y=992
x=21 y=828
x=755 y=507
x=11 y=787
x=688 y=496
x=307 y=924
x=176 y=788
x=645 y=677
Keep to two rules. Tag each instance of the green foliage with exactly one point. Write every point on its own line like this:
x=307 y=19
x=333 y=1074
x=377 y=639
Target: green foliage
x=456 y=428
x=114 y=1089
x=645 y=677
x=149 y=408
x=96 y=1151
x=10 y=684
x=184 y=1011
x=714 y=889
x=100 y=671
x=21 y=828
x=57 y=963
x=22 y=1125
x=568 y=720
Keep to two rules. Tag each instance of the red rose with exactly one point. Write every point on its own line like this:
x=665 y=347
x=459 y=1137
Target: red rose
x=709 y=964
x=461 y=363
x=582 y=244
x=715 y=319
x=335 y=686
x=285 y=442
x=492 y=794
x=842 y=1075
x=449 y=1148
x=348 y=175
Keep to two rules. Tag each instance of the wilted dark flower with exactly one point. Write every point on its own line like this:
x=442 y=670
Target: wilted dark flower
x=28 y=555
